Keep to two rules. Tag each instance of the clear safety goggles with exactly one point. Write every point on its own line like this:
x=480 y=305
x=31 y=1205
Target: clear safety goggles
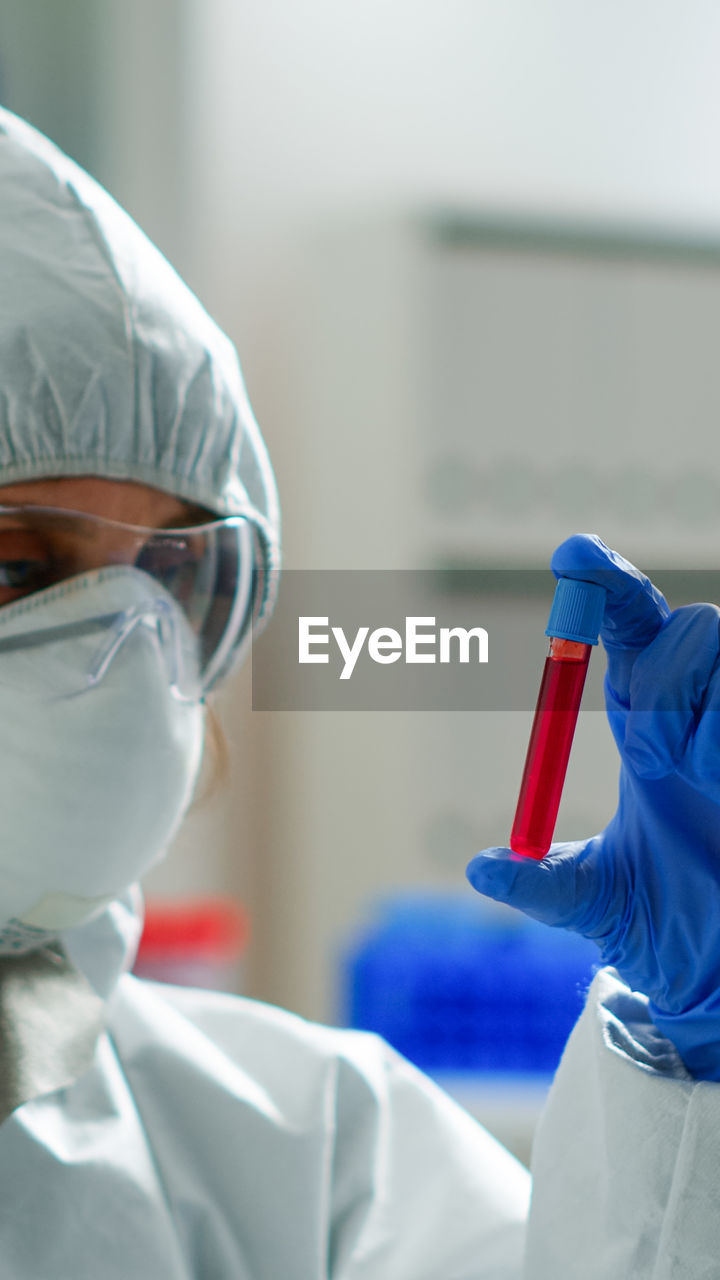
x=194 y=596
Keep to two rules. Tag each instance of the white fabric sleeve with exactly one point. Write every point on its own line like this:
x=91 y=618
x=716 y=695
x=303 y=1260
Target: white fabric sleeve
x=625 y=1159
x=421 y=1190
x=338 y=1152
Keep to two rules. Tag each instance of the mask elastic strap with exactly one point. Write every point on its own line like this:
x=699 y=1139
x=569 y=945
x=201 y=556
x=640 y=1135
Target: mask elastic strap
x=50 y=1021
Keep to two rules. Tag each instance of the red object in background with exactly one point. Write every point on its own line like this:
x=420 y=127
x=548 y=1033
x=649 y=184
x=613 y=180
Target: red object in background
x=195 y=942
x=548 y=751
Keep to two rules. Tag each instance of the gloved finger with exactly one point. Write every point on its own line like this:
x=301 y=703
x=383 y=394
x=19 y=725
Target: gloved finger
x=701 y=763
x=634 y=610
x=568 y=888
x=668 y=690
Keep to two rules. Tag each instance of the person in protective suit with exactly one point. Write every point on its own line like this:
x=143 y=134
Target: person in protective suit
x=169 y=1133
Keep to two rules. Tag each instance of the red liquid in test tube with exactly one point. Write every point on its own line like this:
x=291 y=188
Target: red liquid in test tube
x=577 y=612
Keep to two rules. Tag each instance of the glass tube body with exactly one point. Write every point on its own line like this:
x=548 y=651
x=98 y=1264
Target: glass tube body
x=548 y=751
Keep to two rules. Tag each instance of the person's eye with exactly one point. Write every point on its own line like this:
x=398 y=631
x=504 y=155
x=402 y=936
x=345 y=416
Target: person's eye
x=23 y=575
x=26 y=563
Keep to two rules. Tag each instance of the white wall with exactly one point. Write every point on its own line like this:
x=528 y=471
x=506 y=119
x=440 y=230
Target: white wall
x=304 y=105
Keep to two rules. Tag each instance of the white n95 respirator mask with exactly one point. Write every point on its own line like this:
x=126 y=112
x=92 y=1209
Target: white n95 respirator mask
x=101 y=735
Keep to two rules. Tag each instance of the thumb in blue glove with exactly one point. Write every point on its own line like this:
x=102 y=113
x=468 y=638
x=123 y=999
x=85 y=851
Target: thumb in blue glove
x=647 y=888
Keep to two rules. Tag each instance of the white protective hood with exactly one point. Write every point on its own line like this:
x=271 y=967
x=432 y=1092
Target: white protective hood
x=109 y=365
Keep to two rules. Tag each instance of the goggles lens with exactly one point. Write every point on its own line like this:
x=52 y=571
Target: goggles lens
x=205 y=570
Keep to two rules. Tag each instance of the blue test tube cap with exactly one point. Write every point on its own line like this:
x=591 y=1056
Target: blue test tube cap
x=577 y=611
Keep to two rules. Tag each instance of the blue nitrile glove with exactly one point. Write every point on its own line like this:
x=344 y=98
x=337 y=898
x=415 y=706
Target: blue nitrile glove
x=647 y=889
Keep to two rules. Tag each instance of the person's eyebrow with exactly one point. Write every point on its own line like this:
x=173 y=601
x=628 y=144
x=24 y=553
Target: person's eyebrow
x=198 y=515
x=24 y=518
x=66 y=518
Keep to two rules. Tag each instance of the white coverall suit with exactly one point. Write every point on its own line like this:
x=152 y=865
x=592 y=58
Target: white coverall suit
x=216 y=1138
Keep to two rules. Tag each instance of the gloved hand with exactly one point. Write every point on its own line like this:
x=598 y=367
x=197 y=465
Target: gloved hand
x=647 y=889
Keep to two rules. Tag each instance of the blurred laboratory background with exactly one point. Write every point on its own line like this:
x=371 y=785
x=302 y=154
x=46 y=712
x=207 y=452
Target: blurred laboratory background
x=469 y=252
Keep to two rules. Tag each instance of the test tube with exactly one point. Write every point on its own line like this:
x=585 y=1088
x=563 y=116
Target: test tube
x=573 y=628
